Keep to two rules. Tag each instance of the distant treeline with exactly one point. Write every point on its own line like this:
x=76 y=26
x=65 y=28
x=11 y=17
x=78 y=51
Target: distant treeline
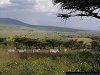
x=29 y=43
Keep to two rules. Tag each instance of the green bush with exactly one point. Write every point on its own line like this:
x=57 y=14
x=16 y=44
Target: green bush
x=85 y=67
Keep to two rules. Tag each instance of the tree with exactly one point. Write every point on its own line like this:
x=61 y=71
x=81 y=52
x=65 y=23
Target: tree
x=52 y=43
x=95 y=45
x=3 y=41
x=72 y=8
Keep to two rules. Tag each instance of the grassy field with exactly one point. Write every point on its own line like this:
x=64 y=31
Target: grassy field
x=10 y=32
x=45 y=63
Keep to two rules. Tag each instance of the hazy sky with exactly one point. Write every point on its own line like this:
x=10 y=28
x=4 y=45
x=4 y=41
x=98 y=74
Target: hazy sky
x=43 y=12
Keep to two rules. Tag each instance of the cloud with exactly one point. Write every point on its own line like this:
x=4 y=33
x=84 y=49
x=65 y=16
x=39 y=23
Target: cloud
x=41 y=12
x=23 y=2
x=4 y=3
x=20 y=4
x=36 y=5
x=45 y=6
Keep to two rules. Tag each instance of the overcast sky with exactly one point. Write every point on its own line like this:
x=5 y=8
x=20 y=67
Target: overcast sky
x=43 y=12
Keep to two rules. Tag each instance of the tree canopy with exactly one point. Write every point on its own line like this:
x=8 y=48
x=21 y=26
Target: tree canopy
x=72 y=8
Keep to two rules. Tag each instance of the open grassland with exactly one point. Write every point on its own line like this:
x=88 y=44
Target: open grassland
x=47 y=64
x=10 y=33
x=75 y=59
x=6 y=56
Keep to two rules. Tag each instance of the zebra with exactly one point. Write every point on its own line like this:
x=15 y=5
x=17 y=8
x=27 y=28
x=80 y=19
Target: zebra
x=54 y=51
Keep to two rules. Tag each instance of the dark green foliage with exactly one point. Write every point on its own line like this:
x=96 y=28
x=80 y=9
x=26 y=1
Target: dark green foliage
x=29 y=43
x=79 y=8
x=19 y=42
x=52 y=43
x=3 y=41
x=74 y=44
x=95 y=45
x=25 y=42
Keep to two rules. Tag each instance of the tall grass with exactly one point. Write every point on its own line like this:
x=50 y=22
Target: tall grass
x=49 y=64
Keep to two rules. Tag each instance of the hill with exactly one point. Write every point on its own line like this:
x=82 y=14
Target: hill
x=17 y=23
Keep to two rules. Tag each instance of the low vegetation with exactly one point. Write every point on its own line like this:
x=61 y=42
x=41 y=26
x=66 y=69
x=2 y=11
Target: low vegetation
x=29 y=43
x=80 y=55
x=48 y=64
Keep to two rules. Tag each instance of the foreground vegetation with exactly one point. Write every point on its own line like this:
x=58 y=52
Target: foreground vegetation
x=45 y=63
x=48 y=64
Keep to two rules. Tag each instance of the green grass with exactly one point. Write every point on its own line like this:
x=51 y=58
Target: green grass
x=11 y=32
x=47 y=64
